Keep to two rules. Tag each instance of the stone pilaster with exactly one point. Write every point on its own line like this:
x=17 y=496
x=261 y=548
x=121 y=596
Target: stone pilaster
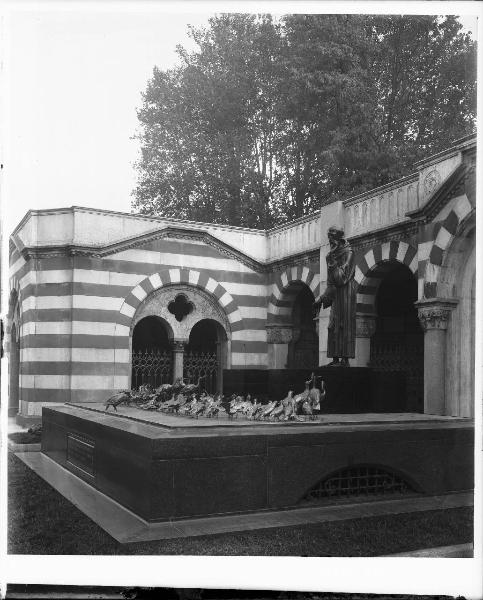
x=278 y=339
x=365 y=329
x=434 y=315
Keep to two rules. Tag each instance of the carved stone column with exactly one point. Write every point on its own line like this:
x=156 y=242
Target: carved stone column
x=178 y=347
x=278 y=339
x=434 y=315
x=365 y=329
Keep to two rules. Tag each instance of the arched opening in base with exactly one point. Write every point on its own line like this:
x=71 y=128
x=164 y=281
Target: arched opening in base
x=204 y=355
x=398 y=342
x=151 y=353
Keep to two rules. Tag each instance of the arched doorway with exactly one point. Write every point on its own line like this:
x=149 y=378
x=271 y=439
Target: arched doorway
x=204 y=355
x=151 y=353
x=398 y=342
x=14 y=371
x=303 y=351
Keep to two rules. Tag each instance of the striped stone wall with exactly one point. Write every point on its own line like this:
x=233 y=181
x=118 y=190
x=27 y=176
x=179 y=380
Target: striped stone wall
x=77 y=310
x=78 y=276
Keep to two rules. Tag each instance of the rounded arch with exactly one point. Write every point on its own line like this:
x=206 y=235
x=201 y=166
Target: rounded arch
x=460 y=214
x=396 y=343
x=165 y=279
x=287 y=286
x=151 y=352
x=206 y=354
x=455 y=257
x=169 y=277
x=149 y=328
x=161 y=304
x=377 y=261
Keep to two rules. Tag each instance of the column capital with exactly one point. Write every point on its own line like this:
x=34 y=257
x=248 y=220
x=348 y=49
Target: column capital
x=365 y=325
x=434 y=313
x=178 y=345
x=279 y=334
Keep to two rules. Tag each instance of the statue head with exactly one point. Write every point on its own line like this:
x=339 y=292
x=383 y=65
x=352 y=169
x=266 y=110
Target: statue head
x=336 y=236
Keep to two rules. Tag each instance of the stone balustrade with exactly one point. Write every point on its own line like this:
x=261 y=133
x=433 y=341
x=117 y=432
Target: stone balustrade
x=383 y=206
x=298 y=236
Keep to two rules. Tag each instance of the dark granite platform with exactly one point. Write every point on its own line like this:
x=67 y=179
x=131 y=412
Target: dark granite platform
x=168 y=471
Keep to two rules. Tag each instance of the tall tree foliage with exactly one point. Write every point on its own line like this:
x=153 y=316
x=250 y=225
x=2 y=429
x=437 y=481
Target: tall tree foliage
x=266 y=120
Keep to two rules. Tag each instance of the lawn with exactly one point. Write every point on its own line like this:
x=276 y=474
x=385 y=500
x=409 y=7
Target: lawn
x=41 y=521
x=24 y=437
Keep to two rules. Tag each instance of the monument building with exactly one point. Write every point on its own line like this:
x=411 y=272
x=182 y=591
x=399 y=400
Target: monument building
x=102 y=301
x=381 y=287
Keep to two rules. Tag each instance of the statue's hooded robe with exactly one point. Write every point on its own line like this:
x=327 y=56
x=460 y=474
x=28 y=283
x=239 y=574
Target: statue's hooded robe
x=340 y=295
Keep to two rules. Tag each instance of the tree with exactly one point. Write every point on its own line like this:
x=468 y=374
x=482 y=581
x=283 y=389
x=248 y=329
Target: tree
x=208 y=127
x=268 y=119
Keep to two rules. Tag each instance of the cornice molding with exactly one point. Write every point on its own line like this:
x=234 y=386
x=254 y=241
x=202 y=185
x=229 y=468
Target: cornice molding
x=294 y=260
x=180 y=233
x=393 y=233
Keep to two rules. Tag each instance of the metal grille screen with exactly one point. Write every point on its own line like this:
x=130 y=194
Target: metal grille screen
x=150 y=366
x=359 y=481
x=202 y=364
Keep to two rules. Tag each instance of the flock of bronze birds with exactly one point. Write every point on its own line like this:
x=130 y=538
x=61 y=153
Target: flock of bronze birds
x=188 y=399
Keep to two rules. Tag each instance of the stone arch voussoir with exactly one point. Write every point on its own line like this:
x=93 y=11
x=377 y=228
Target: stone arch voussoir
x=175 y=276
x=291 y=275
x=367 y=265
x=444 y=238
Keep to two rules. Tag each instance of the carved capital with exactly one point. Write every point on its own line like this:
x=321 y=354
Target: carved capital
x=434 y=313
x=279 y=335
x=365 y=326
x=178 y=345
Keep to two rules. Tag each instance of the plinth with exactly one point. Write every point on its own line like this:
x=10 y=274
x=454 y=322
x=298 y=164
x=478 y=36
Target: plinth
x=192 y=468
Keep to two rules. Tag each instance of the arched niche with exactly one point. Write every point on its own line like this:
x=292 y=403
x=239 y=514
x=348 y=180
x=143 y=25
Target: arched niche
x=180 y=308
x=163 y=304
x=397 y=342
x=205 y=355
x=292 y=336
x=151 y=360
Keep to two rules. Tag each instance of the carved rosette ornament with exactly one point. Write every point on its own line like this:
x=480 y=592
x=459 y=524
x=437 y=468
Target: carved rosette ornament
x=365 y=326
x=431 y=182
x=434 y=314
x=279 y=335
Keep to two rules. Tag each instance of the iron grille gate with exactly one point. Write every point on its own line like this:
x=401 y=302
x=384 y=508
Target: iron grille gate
x=151 y=366
x=359 y=481
x=396 y=354
x=202 y=364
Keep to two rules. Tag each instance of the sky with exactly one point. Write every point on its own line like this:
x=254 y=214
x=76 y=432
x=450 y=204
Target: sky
x=74 y=81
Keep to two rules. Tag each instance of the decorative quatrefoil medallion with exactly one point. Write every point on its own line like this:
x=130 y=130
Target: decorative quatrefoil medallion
x=180 y=307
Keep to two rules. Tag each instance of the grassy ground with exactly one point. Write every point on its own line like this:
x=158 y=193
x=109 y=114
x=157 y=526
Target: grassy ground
x=41 y=521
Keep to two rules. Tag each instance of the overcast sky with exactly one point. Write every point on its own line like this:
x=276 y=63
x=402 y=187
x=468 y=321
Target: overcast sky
x=74 y=82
